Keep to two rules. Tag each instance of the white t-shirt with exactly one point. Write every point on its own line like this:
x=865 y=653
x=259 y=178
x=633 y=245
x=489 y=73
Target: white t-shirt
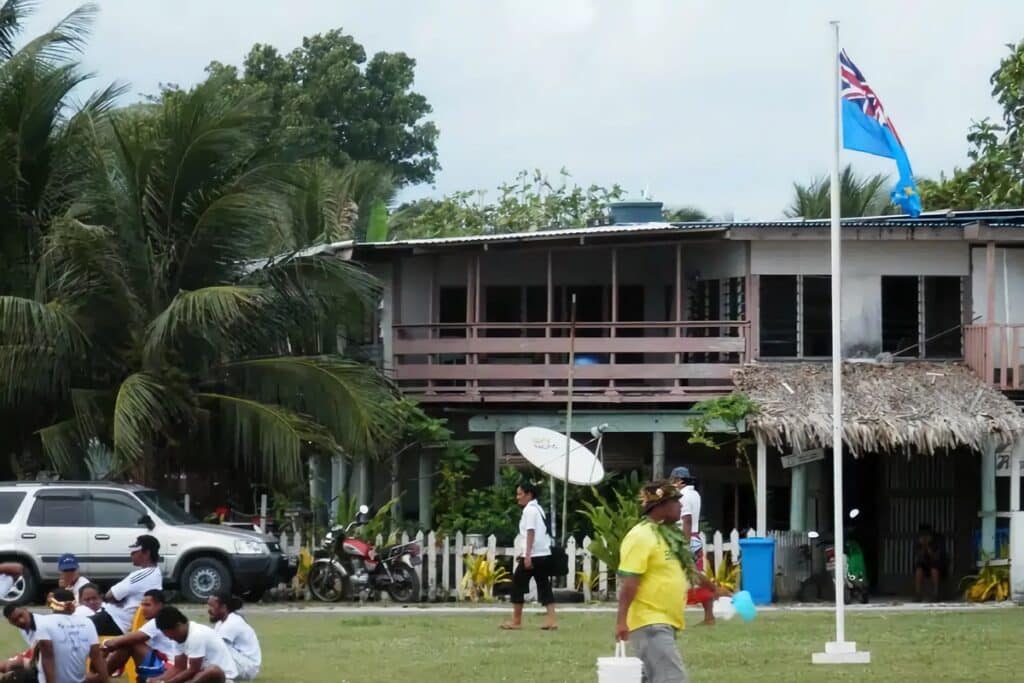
x=158 y=641
x=129 y=592
x=533 y=518
x=72 y=638
x=204 y=643
x=83 y=611
x=6 y=584
x=82 y=581
x=690 y=502
x=241 y=640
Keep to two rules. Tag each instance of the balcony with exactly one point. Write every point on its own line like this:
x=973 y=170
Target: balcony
x=623 y=362
x=994 y=352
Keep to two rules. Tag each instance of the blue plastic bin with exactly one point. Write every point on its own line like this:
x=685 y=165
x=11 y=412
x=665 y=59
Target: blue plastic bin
x=757 y=568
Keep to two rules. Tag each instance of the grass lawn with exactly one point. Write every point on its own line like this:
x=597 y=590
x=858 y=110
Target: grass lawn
x=979 y=646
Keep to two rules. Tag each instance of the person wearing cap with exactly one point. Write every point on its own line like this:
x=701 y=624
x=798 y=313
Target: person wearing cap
x=125 y=596
x=652 y=587
x=689 y=520
x=70 y=577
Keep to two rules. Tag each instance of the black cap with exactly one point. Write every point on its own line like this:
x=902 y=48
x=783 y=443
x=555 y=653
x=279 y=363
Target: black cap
x=146 y=542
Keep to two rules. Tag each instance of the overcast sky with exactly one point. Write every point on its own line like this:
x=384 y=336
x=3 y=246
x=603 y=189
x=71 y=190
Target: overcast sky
x=719 y=104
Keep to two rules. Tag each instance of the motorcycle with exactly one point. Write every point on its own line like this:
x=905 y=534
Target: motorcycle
x=856 y=581
x=347 y=567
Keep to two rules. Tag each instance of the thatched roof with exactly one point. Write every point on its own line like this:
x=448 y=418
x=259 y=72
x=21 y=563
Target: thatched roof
x=886 y=407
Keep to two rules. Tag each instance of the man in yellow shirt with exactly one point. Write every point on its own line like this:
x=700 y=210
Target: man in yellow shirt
x=652 y=588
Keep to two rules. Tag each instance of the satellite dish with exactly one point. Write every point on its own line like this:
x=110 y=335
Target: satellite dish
x=545 y=449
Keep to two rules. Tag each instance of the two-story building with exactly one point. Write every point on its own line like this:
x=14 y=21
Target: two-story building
x=477 y=329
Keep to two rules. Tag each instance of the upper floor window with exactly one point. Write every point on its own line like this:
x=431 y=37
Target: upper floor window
x=922 y=316
x=796 y=320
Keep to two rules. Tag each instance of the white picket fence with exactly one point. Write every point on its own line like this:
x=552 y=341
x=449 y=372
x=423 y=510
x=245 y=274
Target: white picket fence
x=444 y=559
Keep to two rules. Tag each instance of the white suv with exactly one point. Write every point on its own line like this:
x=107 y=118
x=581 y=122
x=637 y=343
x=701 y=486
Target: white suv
x=97 y=521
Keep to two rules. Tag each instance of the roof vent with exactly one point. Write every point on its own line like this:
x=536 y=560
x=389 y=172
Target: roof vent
x=636 y=211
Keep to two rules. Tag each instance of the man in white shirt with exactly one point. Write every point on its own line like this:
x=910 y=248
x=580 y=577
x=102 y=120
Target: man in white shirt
x=125 y=596
x=65 y=644
x=155 y=655
x=209 y=660
x=689 y=520
x=236 y=633
x=21 y=665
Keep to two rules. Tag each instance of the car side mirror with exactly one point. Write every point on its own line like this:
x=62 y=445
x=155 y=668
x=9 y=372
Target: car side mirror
x=147 y=521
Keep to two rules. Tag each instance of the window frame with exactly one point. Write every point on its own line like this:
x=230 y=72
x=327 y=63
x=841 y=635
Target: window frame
x=58 y=494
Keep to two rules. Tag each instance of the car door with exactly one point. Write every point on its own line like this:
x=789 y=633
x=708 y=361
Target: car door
x=56 y=524
x=115 y=526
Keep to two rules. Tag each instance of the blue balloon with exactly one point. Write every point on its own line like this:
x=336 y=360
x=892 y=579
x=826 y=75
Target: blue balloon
x=744 y=605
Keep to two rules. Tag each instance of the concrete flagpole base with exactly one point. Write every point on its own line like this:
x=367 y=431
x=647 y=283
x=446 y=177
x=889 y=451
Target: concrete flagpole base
x=841 y=653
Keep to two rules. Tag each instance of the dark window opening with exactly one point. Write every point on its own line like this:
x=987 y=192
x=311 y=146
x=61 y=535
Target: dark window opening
x=778 y=315
x=452 y=309
x=503 y=305
x=943 y=317
x=901 y=313
x=817 y=316
x=10 y=501
x=536 y=306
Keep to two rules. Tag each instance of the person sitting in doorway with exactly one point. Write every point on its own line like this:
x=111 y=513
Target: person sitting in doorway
x=929 y=561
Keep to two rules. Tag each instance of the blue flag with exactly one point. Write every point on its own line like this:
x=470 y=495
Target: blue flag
x=867 y=128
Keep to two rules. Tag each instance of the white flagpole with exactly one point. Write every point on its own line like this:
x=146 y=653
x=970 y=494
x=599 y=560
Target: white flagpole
x=840 y=651
x=835 y=238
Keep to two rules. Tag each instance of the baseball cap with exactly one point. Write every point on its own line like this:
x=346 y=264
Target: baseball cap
x=680 y=473
x=67 y=562
x=145 y=542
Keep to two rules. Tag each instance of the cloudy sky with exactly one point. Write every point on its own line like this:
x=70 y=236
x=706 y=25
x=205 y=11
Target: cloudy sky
x=720 y=104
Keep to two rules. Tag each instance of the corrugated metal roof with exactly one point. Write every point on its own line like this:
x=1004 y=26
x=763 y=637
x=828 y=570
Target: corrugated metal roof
x=932 y=219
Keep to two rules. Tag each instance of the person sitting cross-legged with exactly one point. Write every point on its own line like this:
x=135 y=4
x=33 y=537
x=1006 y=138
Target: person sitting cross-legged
x=154 y=654
x=236 y=633
x=89 y=600
x=209 y=660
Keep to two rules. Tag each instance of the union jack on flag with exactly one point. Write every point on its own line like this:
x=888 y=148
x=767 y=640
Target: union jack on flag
x=855 y=88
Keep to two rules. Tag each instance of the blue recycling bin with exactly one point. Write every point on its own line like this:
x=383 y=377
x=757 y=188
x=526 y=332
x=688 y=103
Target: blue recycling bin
x=757 y=568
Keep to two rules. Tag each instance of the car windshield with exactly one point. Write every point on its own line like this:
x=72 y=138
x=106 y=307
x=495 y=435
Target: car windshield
x=165 y=508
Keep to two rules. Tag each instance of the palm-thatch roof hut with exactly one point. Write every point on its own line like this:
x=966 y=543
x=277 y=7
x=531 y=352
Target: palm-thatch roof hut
x=887 y=407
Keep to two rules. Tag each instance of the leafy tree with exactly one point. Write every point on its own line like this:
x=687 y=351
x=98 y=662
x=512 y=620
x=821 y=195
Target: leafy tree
x=329 y=100
x=530 y=202
x=995 y=176
x=684 y=214
x=160 y=325
x=731 y=412
x=867 y=196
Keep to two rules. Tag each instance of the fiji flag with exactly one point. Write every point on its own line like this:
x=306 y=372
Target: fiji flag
x=867 y=128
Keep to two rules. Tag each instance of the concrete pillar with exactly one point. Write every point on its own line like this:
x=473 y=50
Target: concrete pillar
x=798 y=498
x=396 y=488
x=988 y=498
x=1016 y=527
x=762 y=486
x=499 y=455
x=362 y=477
x=426 y=489
x=1015 y=465
x=337 y=484
x=657 y=455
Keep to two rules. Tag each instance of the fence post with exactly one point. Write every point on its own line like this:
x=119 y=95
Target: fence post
x=432 y=569
x=587 y=570
x=263 y=513
x=734 y=542
x=570 y=554
x=458 y=565
x=719 y=552
x=602 y=578
x=492 y=548
x=446 y=567
x=422 y=568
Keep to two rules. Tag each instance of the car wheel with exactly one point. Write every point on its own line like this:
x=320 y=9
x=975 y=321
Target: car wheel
x=23 y=591
x=203 y=577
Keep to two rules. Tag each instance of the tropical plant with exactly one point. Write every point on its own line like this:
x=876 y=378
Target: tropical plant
x=991 y=583
x=99 y=461
x=161 y=323
x=731 y=413
x=611 y=520
x=490 y=510
x=726 y=575
x=481 y=577
x=379 y=524
x=858 y=196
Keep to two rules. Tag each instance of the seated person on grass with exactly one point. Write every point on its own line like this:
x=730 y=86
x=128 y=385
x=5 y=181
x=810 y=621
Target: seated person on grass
x=209 y=660
x=236 y=633
x=20 y=667
x=89 y=600
x=155 y=655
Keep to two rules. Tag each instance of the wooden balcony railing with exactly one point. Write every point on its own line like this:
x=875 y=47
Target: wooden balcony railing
x=615 y=362
x=994 y=352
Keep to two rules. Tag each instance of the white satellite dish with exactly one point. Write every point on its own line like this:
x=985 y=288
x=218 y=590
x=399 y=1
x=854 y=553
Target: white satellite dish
x=546 y=450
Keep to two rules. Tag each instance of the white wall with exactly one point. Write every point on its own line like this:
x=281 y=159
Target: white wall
x=715 y=261
x=864 y=264
x=1014 y=274
x=415 y=296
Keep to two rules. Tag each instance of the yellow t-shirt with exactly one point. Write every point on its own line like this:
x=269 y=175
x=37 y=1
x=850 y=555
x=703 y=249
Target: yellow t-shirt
x=661 y=596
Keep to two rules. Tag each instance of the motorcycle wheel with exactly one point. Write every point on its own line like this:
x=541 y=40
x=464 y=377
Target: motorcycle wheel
x=326 y=583
x=405 y=586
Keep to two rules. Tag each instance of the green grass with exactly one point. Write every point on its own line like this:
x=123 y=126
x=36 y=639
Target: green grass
x=977 y=646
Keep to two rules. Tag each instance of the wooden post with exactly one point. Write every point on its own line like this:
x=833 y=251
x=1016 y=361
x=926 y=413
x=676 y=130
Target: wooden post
x=988 y=498
x=459 y=550
x=446 y=568
x=612 y=333
x=549 y=299
x=1015 y=465
x=990 y=283
x=499 y=455
x=570 y=553
x=678 y=308
x=762 y=486
x=798 y=498
x=587 y=570
x=431 y=566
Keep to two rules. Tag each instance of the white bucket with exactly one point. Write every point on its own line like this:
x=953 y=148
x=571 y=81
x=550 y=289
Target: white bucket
x=619 y=668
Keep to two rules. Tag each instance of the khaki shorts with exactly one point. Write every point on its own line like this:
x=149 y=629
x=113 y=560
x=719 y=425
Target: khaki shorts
x=656 y=647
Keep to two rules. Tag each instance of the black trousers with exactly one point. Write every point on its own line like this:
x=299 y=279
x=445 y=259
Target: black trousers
x=105 y=624
x=541 y=573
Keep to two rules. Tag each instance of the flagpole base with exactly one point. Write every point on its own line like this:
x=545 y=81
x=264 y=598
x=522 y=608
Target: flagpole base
x=841 y=653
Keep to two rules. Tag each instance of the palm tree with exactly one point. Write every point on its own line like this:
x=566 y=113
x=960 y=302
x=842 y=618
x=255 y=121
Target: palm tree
x=684 y=214
x=164 y=326
x=867 y=196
